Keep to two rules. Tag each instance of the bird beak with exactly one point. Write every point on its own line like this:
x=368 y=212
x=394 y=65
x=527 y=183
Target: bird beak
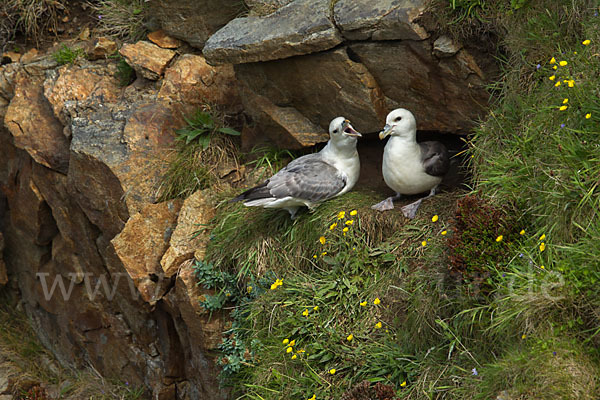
x=387 y=129
x=349 y=130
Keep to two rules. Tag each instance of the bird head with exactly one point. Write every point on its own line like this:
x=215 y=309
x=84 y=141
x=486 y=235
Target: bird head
x=399 y=122
x=340 y=129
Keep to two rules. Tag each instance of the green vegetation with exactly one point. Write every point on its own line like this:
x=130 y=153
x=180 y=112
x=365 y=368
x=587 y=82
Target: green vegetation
x=203 y=148
x=125 y=73
x=122 y=18
x=67 y=55
x=485 y=295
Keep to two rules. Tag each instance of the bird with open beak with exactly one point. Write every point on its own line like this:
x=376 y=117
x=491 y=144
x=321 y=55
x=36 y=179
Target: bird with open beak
x=313 y=178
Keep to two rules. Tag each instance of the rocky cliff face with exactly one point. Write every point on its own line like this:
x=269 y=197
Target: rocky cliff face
x=360 y=59
x=104 y=270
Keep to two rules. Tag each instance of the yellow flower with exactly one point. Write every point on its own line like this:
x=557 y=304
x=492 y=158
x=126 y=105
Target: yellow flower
x=434 y=218
x=363 y=304
x=555 y=67
x=522 y=232
x=562 y=63
x=553 y=77
x=444 y=233
x=285 y=341
x=376 y=301
x=571 y=83
x=289 y=350
x=301 y=351
x=557 y=84
x=345 y=230
x=588 y=115
x=322 y=239
x=315 y=308
x=542 y=246
x=341 y=214
x=332 y=371
x=332 y=226
x=586 y=42
x=552 y=60
x=565 y=101
x=324 y=253
x=315 y=256
x=543 y=237
x=314 y=397
x=249 y=289
x=403 y=384
x=424 y=243
x=499 y=238
x=378 y=325
x=523 y=336
x=294 y=357
x=305 y=312
x=542 y=267
x=563 y=108
x=293 y=343
x=350 y=222
x=353 y=213
x=350 y=337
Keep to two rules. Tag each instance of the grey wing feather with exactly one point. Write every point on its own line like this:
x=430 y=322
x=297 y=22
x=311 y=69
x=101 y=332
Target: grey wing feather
x=435 y=158
x=308 y=178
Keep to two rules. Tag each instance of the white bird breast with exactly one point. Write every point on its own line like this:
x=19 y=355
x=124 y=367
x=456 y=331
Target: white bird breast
x=403 y=170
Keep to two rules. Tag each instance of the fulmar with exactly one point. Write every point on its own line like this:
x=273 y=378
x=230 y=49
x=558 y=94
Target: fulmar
x=313 y=178
x=409 y=167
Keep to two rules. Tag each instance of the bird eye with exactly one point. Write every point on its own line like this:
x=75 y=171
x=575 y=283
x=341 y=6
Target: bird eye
x=335 y=131
x=398 y=119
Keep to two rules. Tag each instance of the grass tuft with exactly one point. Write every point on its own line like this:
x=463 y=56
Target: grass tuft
x=122 y=18
x=205 y=151
x=67 y=55
x=34 y=18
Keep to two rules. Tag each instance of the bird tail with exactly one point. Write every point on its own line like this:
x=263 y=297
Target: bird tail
x=255 y=193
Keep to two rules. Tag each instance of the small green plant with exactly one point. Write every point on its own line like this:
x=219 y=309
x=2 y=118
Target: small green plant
x=201 y=127
x=67 y=55
x=125 y=73
x=271 y=159
x=202 y=149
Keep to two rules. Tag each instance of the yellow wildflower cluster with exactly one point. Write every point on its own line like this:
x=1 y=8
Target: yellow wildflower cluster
x=559 y=70
x=276 y=284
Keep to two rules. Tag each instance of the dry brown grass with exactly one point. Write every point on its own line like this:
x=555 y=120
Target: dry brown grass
x=33 y=18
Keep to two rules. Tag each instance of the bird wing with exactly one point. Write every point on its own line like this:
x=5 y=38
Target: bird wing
x=307 y=178
x=434 y=157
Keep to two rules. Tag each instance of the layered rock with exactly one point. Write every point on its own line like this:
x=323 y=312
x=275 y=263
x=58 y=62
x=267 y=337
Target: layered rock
x=321 y=87
x=26 y=115
x=148 y=60
x=444 y=94
x=301 y=27
x=380 y=19
x=190 y=80
x=193 y=20
x=307 y=63
x=84 y=242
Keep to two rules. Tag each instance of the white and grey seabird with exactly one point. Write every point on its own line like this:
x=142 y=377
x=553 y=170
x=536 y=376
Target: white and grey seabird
x=409 y=167
x=313 y=178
